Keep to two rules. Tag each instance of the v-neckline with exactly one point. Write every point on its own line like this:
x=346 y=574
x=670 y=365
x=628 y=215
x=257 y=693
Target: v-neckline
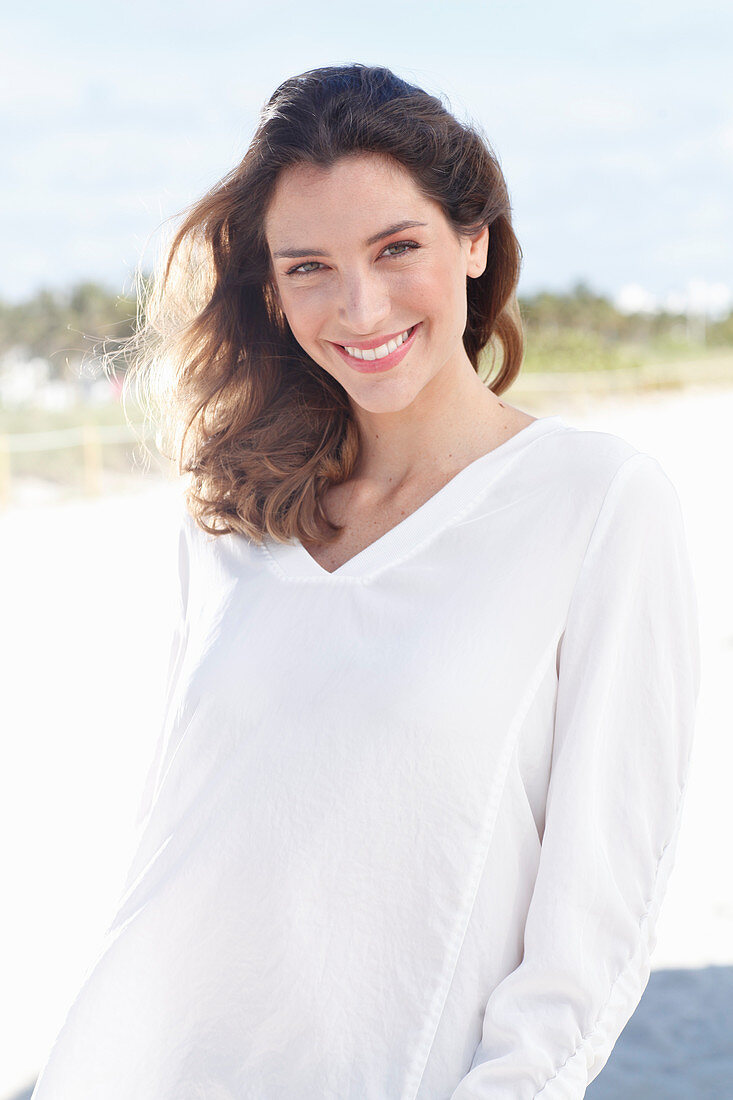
x=292 y=560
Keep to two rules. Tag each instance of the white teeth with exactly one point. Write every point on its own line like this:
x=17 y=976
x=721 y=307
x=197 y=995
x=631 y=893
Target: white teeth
x=380 y=352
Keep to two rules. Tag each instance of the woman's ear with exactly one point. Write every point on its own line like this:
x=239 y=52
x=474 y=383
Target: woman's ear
x=478 y=251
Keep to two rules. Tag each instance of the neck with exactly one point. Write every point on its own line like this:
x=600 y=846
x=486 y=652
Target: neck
x=452 y=421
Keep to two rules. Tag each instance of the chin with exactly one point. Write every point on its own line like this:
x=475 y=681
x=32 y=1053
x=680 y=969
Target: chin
x=390 y=400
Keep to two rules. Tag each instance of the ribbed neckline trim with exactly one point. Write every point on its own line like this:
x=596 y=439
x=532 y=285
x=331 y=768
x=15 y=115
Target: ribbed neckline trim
x=292 y=560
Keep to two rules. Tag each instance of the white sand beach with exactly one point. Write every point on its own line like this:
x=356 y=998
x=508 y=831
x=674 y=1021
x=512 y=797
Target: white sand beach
x=86 y=590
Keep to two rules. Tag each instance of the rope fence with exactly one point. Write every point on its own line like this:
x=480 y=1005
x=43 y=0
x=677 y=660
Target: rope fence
x=89 y=439
x=92 y=441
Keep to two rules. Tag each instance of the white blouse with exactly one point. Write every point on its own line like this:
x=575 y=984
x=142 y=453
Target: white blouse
x=408 y=825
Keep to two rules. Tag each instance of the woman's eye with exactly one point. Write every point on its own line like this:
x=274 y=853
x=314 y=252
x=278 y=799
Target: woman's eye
x=403 y=244
x=298 y=270
x=312 y=265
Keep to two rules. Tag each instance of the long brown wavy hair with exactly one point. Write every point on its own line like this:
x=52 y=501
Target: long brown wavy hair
x=262 y=429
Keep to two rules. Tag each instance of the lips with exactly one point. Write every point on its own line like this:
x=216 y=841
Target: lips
x=375 y=366
x=370 y=345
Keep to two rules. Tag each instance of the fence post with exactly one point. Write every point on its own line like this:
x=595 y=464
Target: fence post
x=92 y=459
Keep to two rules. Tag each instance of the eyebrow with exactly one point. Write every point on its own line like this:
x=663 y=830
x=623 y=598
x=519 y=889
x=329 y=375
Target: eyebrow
x=294 y=253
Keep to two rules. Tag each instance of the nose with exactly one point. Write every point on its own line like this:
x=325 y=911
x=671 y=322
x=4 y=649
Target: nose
x=364 y=302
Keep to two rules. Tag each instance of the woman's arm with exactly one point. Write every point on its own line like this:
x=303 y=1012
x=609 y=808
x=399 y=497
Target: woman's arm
x=629 y=671
x=177 y=648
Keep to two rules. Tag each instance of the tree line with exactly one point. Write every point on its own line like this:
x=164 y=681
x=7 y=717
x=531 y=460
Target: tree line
x=575 y=329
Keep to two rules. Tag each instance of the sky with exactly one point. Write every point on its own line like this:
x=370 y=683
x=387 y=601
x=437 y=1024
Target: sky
x=613 y=125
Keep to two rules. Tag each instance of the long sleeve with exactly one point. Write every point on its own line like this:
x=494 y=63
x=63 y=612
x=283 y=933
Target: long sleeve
x=628 y=679
x=176 y=651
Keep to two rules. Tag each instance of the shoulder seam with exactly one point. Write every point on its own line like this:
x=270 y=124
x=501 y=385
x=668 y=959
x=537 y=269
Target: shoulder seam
x=601 y=511
x=606 y=496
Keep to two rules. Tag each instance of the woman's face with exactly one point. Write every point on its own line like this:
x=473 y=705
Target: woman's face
x=361 y=257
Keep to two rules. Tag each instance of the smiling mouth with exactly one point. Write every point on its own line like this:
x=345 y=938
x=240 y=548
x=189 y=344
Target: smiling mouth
x=381 y=352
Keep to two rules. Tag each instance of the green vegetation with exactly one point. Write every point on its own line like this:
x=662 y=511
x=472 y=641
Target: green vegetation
x=583 y=331
x=573 y=331
x=63 y=327
x=579 y=332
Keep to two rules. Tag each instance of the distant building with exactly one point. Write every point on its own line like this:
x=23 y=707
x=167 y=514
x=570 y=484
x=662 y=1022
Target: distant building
x=26 y=381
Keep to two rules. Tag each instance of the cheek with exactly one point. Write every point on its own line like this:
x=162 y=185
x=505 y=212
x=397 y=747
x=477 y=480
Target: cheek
x=433 y=288
x=440 y=297
x=302 y=312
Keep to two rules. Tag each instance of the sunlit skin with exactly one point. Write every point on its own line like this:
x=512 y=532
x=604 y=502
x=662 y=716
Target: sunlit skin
x=429 y=412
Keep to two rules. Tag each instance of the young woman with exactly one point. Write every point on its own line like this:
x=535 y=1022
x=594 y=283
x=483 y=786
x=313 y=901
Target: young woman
x=432 y=689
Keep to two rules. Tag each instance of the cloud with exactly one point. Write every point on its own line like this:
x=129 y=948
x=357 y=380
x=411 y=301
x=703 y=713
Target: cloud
x=699 y=298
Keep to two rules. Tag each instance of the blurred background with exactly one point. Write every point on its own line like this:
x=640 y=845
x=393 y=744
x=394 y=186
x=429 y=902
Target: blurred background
x=614 y=128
